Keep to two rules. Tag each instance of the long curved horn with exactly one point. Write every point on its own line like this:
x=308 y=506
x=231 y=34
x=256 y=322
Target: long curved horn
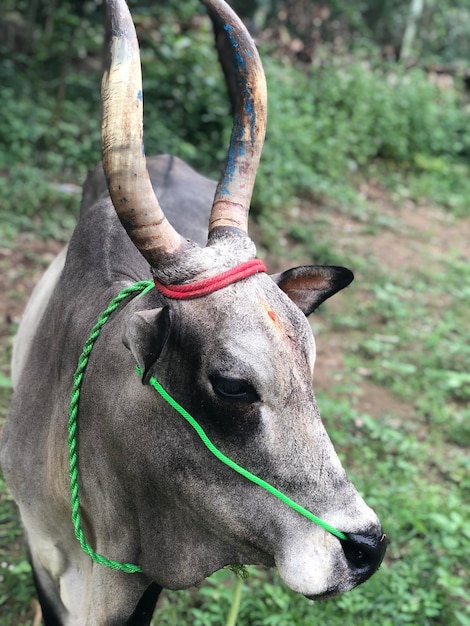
x=124 y=161
x=233 y=196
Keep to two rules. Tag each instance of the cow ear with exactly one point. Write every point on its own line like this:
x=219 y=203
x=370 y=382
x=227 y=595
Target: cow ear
x=145 y=337
x=311 y=285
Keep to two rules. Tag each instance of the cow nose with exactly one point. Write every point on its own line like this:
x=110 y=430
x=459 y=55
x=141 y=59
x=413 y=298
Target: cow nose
x=365 y=552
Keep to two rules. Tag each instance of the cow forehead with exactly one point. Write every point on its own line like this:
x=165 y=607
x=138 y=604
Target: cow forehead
x=254 y=322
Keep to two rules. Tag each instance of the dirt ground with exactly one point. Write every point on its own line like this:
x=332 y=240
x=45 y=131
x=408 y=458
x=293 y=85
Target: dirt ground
x=20 y=269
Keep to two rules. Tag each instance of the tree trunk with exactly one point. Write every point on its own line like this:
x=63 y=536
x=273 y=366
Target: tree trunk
x=416 y=11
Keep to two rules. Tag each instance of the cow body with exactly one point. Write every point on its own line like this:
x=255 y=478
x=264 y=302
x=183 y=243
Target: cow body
x=37 y=425
x=240 y=360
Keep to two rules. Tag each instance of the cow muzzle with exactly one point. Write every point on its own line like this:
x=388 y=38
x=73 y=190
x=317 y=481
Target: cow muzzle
x=319 y=566
x=365 y=552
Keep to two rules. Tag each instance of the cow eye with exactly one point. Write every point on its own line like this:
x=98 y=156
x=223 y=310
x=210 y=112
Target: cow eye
x=234 y=389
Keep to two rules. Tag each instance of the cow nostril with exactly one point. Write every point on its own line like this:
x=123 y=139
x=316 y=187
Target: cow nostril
x=365 y=552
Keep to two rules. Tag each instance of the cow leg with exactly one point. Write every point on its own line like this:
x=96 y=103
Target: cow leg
x=46 y=591
x=146 y=606
x=52 y=607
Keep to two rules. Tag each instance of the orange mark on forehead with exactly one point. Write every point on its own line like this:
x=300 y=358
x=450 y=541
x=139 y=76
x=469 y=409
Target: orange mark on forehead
x=273 y=316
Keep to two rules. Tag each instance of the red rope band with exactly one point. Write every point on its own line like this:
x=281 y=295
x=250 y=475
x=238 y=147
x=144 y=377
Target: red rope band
x=209 y=285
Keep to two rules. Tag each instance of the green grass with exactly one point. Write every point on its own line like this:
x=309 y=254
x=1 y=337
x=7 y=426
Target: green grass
x=16 y=586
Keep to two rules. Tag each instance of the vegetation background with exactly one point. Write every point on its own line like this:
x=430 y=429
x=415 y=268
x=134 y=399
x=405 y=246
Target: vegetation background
x=366 y=165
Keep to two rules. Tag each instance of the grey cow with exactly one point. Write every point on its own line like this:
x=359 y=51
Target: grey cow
x=238 y=357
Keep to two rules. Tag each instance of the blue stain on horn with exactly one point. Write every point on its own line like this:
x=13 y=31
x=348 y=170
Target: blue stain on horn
x=238 y=146
x=236 y=149
x=241 y=71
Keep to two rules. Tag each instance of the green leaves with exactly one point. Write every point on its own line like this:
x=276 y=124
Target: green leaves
x=337 y=119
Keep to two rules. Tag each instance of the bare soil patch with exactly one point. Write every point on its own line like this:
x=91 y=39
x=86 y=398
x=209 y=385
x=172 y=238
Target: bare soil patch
x=21 y=267
x=404 y=235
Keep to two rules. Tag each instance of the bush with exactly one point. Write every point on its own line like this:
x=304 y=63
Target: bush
x=324 y=126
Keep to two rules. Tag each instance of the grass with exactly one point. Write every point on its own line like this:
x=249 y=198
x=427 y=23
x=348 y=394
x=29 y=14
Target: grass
x=15 y=576
x=16 y=587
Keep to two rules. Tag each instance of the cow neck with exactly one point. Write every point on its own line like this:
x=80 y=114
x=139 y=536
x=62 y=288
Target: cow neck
x=204 y=287
x=141 y=288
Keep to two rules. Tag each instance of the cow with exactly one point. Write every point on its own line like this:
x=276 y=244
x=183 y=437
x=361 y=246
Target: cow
x=228 y=343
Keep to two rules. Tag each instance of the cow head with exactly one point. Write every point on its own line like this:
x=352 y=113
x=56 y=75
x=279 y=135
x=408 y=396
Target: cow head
x=240 y=359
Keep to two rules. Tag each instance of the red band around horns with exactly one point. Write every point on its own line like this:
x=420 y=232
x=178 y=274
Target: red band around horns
x=209 y=285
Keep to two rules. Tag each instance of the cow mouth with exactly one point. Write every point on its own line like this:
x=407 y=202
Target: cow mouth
x=323 y=597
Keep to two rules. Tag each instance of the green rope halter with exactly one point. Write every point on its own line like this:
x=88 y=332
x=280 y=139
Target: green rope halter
x=143 y=287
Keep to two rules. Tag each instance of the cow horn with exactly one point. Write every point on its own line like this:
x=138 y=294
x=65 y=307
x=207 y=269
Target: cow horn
x=124 y=161
x=233 y=196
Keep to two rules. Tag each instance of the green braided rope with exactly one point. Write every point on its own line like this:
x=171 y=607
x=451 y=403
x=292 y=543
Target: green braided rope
x=238 y=468
x=72 y=428
x=143 y=287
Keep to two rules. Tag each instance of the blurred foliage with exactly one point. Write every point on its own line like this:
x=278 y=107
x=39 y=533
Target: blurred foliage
x=327 y=120
x=304 y=25
x=326 y=124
